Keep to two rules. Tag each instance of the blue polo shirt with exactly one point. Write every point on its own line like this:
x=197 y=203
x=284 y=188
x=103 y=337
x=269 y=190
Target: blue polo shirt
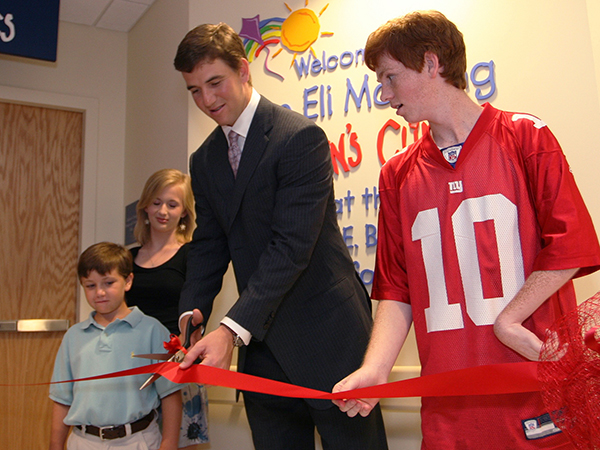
x=89 y=349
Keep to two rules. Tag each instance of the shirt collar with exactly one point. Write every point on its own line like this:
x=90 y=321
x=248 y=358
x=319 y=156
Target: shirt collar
x=133 y=318
x=242 y=124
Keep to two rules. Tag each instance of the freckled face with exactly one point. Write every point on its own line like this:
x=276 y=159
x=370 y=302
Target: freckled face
x=219 y=91
x=405 y=89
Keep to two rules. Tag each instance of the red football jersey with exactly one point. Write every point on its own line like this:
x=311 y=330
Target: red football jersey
x=458 y=243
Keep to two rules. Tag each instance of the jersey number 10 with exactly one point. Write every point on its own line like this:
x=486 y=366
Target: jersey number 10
x=441 y=315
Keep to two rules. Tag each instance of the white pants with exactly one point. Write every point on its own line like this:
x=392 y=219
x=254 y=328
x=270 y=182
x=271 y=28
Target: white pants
x=148 y=439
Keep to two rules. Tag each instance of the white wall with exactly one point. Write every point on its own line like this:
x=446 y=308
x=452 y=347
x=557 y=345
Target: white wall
x=157 y=115
x=593 y=7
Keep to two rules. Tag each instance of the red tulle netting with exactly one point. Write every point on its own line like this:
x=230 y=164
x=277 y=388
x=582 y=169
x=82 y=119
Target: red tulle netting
x=569 y=374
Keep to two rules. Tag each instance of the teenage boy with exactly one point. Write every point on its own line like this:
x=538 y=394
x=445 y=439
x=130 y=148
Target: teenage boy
x=481 y=230
x=111 y=412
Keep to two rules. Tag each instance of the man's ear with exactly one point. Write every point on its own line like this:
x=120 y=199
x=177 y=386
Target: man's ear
x=244 y=70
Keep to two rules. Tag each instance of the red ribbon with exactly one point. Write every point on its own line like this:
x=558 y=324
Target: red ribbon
x=590 y=339
x=481 y=380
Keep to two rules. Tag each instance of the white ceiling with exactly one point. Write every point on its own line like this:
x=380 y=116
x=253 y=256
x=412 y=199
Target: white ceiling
x=117 y=15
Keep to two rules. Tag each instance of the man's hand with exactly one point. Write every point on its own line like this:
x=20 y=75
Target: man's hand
x=363 y=377
x=215 y=349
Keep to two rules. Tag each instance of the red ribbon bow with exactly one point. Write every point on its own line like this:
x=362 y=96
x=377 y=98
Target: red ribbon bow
x=174 y=345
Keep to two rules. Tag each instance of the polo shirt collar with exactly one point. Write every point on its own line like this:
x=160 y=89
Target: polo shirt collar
x=133 y=318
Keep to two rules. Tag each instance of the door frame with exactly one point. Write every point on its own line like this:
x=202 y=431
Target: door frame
x=90 y=109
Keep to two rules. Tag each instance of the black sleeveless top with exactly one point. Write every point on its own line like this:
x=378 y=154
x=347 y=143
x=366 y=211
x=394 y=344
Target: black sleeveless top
x=156 y=290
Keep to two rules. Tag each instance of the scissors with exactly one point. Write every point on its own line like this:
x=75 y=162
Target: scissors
x=177 y=357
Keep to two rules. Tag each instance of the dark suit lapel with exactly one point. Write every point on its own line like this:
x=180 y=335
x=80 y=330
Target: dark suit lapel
x=254 y=148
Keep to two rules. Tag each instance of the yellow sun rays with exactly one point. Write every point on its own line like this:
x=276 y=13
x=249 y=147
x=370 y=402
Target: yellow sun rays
x=300 y=30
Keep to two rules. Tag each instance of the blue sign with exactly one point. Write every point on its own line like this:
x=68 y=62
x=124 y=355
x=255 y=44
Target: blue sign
x=29 y=28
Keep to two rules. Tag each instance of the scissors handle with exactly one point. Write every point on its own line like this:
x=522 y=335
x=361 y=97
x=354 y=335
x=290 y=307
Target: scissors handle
x=189 y=329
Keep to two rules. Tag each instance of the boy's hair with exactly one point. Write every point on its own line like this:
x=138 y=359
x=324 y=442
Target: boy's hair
x=409 y=37
x=207 y=42
x=154 y=185
x=103 y=257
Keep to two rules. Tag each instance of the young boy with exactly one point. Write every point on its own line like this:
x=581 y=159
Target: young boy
x=111 y=412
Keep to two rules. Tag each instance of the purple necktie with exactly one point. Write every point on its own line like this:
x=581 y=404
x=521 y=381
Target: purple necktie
x=234 y=152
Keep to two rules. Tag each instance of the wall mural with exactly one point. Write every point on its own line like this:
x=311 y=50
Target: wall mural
x=302 y=35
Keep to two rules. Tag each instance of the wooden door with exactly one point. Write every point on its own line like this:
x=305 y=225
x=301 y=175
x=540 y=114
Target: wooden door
x=40 y=177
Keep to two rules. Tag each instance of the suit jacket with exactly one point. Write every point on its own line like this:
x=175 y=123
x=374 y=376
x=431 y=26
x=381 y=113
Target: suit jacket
x=276 y=222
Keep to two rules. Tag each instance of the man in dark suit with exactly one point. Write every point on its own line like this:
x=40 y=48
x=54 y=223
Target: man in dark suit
x=302 y=316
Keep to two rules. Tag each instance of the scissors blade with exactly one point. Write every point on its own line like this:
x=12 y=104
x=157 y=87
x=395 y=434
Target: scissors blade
x=177 y=357
x=156 y=356
x=155 y=376
x=150 y=380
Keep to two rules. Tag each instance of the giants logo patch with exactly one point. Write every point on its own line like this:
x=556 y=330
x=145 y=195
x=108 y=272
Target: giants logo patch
x=456 y=187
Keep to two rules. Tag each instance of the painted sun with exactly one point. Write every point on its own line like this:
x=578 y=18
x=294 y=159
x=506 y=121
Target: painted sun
x=298 y=32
